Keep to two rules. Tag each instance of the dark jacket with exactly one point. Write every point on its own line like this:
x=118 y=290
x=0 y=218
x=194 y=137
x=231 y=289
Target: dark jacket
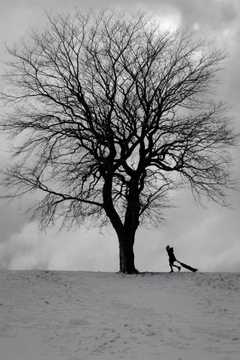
x=171 y=254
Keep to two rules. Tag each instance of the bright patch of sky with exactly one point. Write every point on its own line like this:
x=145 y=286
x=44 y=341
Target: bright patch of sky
x=167 y=22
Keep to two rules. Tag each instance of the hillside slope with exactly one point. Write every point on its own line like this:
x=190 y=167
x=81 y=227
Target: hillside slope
x=47 y=315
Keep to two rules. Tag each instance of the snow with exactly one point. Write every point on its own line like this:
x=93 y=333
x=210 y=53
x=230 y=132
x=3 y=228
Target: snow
x=54 y=315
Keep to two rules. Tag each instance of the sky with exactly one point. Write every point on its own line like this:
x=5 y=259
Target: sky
x=206 y=236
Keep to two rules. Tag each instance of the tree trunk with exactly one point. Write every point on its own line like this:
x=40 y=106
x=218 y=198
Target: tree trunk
x=127 y=236
x=125 y=231
x=126 y=255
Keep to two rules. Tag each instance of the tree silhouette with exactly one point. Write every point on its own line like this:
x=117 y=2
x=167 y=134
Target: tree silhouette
x=113 y=115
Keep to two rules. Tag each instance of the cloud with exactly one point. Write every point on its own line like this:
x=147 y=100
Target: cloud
x=203 y=237
x=212 y=13
x=82 y=249
x=207 y=238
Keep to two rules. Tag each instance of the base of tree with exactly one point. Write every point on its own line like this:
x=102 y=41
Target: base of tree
x=131 y=272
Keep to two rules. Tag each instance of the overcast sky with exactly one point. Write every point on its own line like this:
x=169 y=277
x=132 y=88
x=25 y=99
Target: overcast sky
x=207 y=237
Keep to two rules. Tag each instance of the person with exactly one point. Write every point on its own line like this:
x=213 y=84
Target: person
x=172 y=258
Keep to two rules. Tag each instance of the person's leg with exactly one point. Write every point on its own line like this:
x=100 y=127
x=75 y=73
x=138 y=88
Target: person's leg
x=176 y=266
x=171 y=266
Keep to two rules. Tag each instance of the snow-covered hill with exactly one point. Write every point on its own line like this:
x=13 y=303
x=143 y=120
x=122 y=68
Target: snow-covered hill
x=47 y=315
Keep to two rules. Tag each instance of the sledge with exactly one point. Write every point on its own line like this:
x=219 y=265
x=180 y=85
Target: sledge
x=188 y=267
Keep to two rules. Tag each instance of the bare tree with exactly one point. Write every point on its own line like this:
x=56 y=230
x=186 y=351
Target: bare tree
x=113 y=115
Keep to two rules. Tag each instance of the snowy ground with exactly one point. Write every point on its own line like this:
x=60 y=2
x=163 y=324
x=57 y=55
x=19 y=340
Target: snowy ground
x=47 y=315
